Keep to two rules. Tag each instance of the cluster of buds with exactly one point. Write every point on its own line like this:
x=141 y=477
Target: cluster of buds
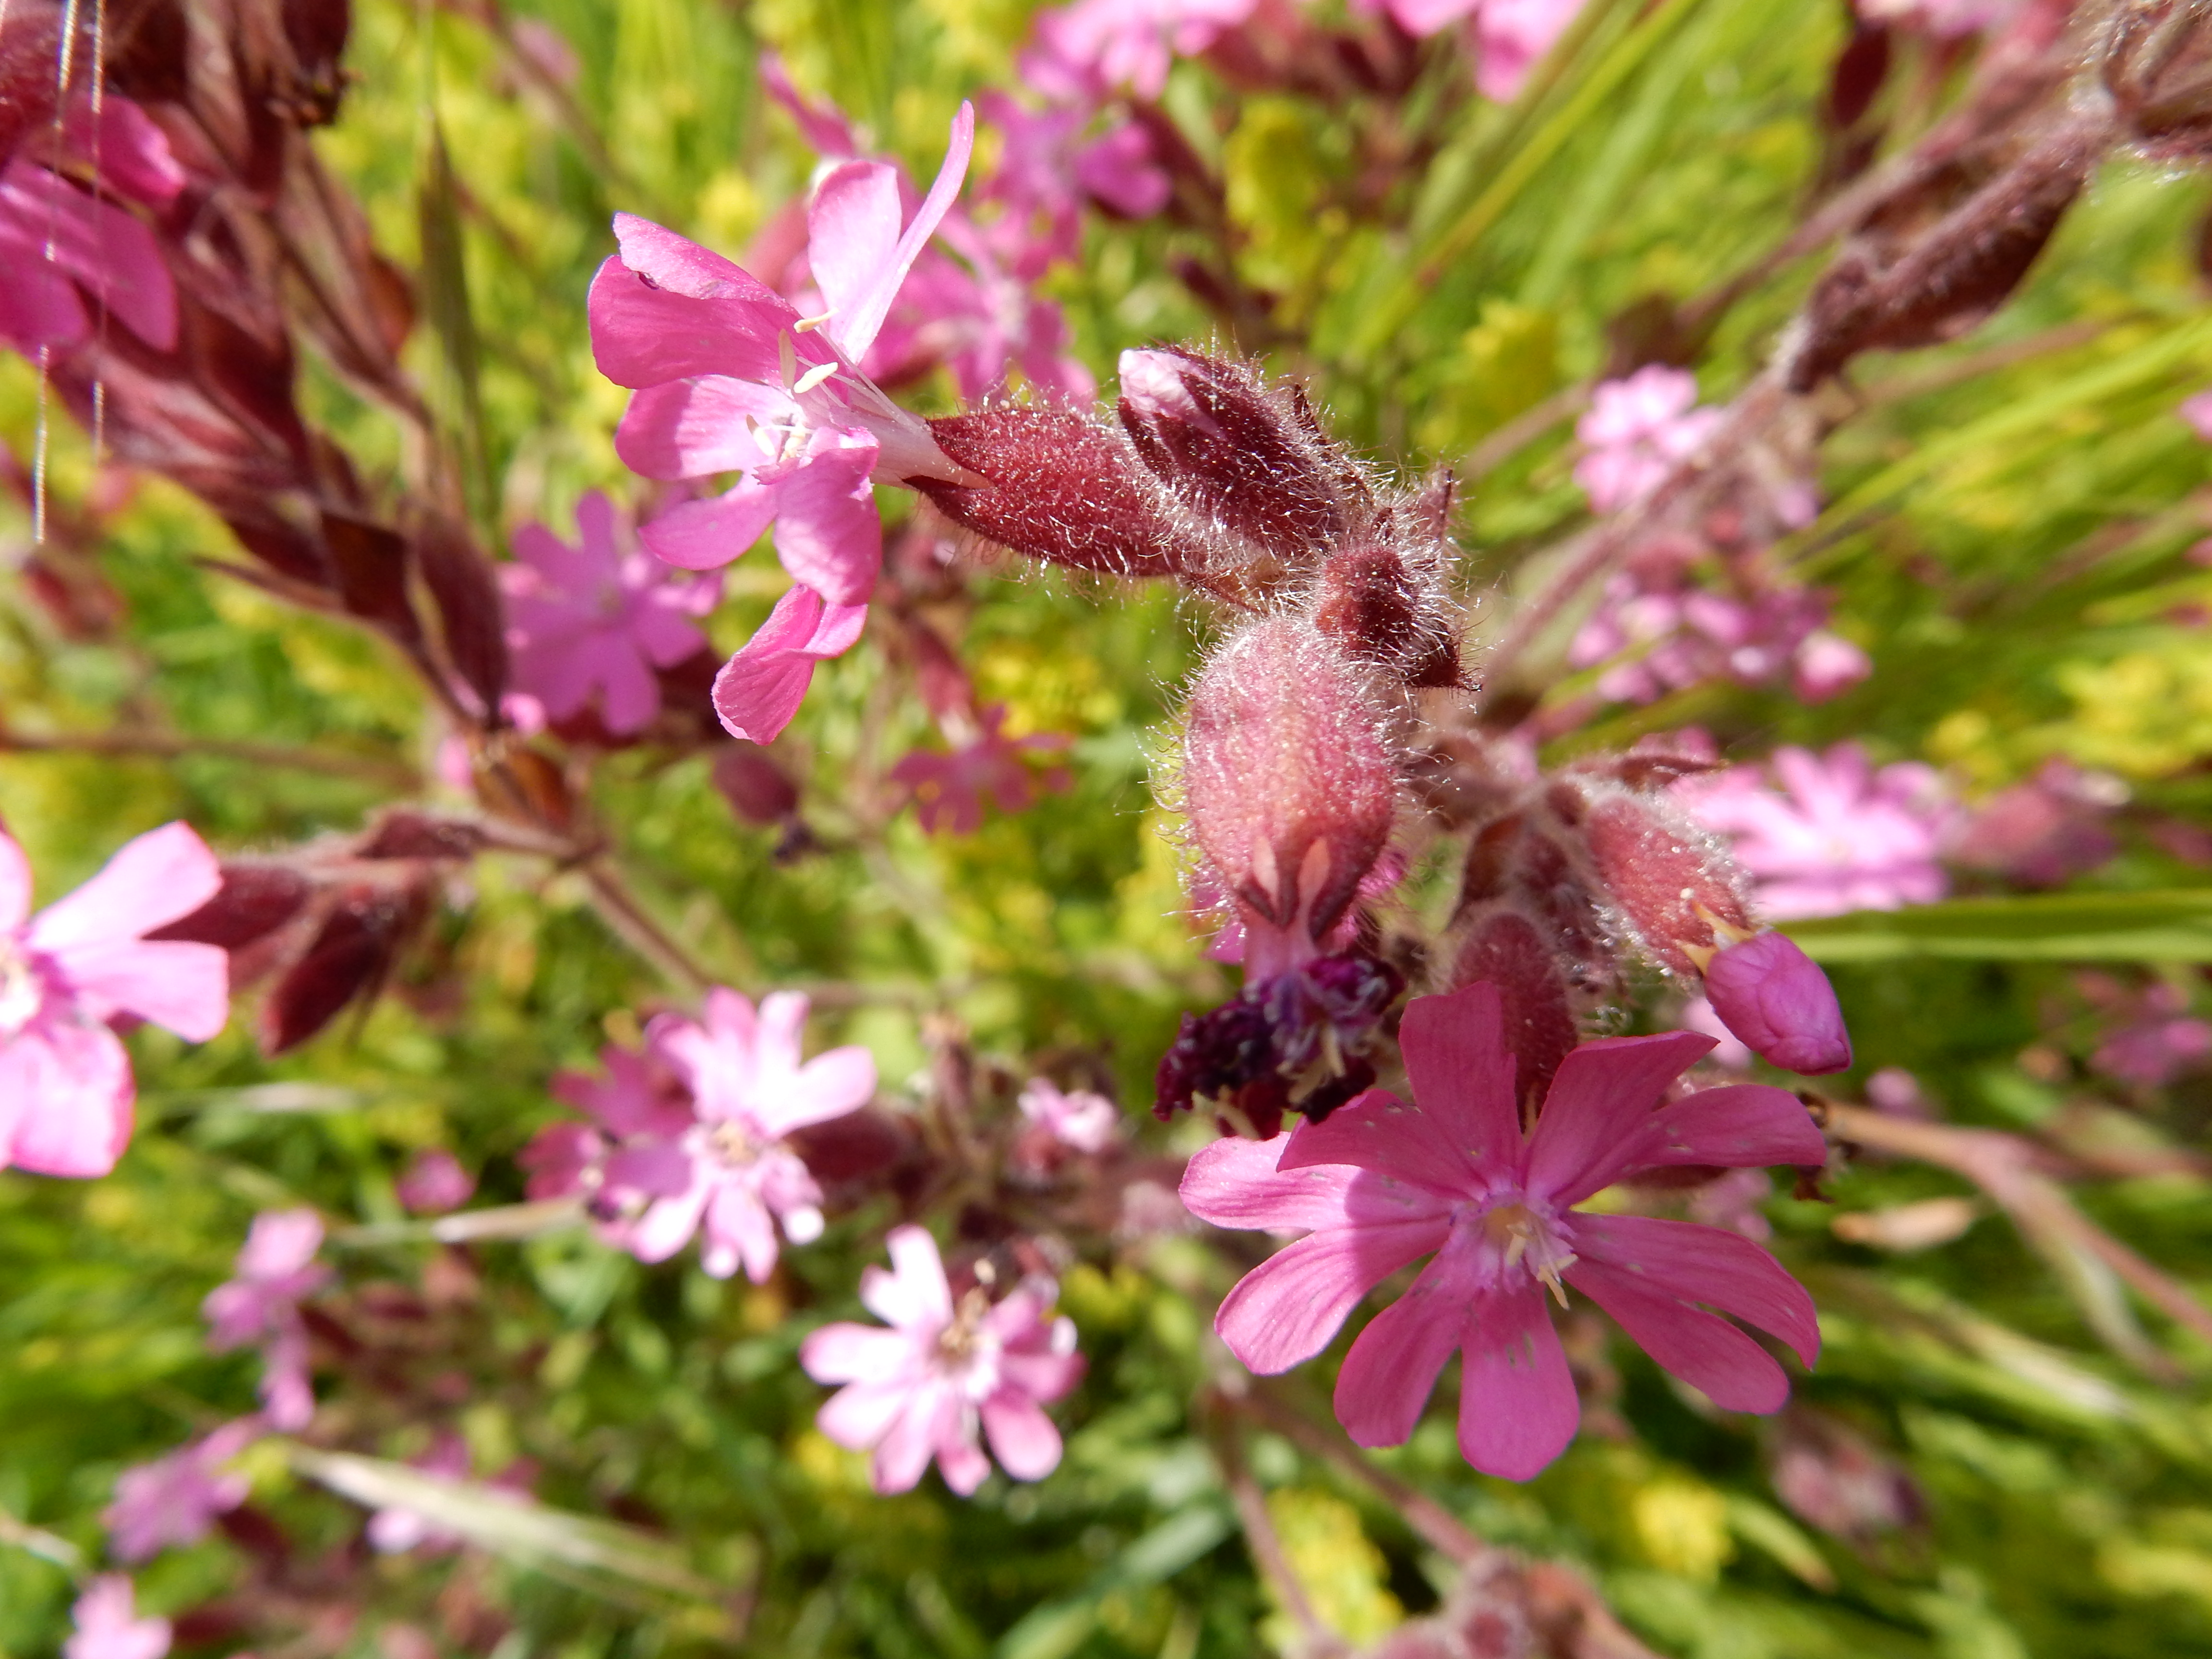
x=1573 y=881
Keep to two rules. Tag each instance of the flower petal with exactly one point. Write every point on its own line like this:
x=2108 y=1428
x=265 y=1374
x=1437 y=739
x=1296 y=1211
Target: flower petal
x=706 y=535
x=1517 y=1408
x=1703 y=1349
x=1459 y=1071
x=913 y=1295
x=857 y=1417
x=760 y=689
x=1234 y=1182
x=1023 y=1438
x=690 y=428
x=153 y=879
x=1597 y=1106
x=829 y=1085
x=928 y=1420
x=829 y=534
x=1393 y=1364
x=15 y=883
x=1705 y=1264
x=855 y=330
x=72 y=1092
x=849 y=1352
x=1741 y=1126
x=1386 y=1137
x=852 y=235
x=1286 y=1310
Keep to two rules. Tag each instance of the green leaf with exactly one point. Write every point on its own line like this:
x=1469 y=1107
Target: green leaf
x=2171 y=925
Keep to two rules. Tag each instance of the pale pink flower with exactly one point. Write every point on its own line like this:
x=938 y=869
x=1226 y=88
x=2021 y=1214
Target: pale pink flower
x=2149 y=1038
x=1380 y=1183
x=948 y=790
x=1827 y=664
x=66 y=1089
x=276 y=1268
x=640 y=1100
x=175 y=1499
x=1840 y=835
x=2197 y=411
x=1096 y=46
x=597 y=618
x=108 y=1625
x=1636 y=431
x=434 y=1183
x=1510 y=38
x=730 y=377
x=729 y=1172
x=923 y=1388
x=1946 y=18
x=1084 y=1120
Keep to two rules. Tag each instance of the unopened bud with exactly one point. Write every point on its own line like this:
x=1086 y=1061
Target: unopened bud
x=1288 y=785
x=1369 y=602
x=1775 y=997
x=1506 y=949
x=1064 y=488
x=1231 y=450
x=1675 y=893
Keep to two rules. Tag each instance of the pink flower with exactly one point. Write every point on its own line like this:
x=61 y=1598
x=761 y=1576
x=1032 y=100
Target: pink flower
x=175 y=1499
x=729 y=1170
x=1086 y=1121
x=1635 y=433
x=1945 y=18
x=434 y=1183
x=57 y=240
x=597 y=618
x=731 y=378
x=261 y=1304
x=108 y=1625
x=1380 y=1183
x=2197 y=411
x=66 y=1091
x=641 y=1099
x=1097 y=46
x=1841 y=837
x=760 y=689
x=948 y=790
x=2149 y=1039
x=921 y=1389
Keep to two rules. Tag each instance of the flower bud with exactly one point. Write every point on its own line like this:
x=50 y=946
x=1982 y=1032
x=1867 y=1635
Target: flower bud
x=1676 y=894
x=1775 y=997
x=1063 y=488
x=1370 y=603
x=1251 y=460
x=1288 y=785
x=1506 y=949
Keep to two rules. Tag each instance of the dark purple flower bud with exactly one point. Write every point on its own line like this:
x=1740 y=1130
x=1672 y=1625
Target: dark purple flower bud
x=1293 y=1042
x=1246 y=457
x=1775 y=997
x=1063 y=488
x=1506 y=949
x=1369 y=601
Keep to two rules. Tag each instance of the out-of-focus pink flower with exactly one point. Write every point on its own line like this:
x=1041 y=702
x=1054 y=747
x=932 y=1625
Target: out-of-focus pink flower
x=1636 y=431
x=66 y=1091
x=435 y=1183
x=1773 y=995
x=2197 y=411
x=640 y=1098
x=1380 y=1183
x=1948 y=19
x=1732 y=1201
x=1085 y=1121
x=261 y=1304
x=948 y=790
x=175 y=1499
x=108 y=1625
x=1839 y=836
x=1827 y=664
x=2042 y=831
x=1510 y=38
x=730 y=377
x=1729 y=1051
x=2150 y=1039
x=546 y=49
x=923 y=1388
x=597 y=618
x=729 y=1172
x=56 y=238
x=1095 y=47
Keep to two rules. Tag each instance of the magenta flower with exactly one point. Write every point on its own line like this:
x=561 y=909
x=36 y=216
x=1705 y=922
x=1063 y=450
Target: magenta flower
x=597 y=618
x=760 y=689
x=1098 y=46
x=175 y=1499
x=1842 y=837
x=1380 y=1183
x=57 y=240
x=1510 y=36
x=261 y=1304
x=729 y=1170
x=66 y=1091
x=1636 y=432
x=1084 y=1120
x=948 y=789
x=923 y=1388
x=108 y=1625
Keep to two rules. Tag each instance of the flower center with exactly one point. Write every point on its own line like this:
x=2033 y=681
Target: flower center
x=733 y=1143
x=22 y=990
x=1526 y=1240
x=960 y=1344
